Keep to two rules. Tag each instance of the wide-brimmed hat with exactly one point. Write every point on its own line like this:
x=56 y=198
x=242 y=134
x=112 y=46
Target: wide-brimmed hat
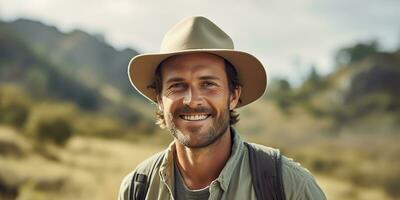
x=199 y=34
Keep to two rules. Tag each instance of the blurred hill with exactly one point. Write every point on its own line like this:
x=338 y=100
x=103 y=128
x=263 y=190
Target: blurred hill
x=21 y=66
x=75 y=67
x=363 y=90
x=78 y=53
x=366 y=83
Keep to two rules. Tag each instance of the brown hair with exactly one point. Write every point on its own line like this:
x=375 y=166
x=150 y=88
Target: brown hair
x=233 y=83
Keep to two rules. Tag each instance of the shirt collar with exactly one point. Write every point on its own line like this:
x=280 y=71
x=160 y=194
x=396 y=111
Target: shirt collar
x=236 y=152
x=167 y=166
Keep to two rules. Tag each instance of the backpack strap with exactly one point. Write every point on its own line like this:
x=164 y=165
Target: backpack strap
x=266 y=173
x=141 y=180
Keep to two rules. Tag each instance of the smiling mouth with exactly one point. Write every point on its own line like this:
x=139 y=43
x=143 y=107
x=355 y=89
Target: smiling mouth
x=198 y=117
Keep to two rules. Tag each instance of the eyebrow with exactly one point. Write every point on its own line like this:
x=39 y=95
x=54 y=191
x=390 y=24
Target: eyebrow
x=179 y=79
x=175 y=79
x=209 y=78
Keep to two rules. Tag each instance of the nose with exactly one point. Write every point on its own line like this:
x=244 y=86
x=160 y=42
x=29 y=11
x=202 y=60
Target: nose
x=192 y=98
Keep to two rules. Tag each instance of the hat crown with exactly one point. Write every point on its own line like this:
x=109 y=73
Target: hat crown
x=195 y=33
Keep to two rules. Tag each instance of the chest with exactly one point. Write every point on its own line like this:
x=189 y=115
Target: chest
x=237 y=187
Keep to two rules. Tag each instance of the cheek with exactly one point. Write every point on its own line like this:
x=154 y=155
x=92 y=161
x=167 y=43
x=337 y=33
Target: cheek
x=220 y=96
x=216 y=93
x=169 y=105
x=219 y=101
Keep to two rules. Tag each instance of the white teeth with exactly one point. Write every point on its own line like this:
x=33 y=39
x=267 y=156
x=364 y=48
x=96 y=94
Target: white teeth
x=194 y=117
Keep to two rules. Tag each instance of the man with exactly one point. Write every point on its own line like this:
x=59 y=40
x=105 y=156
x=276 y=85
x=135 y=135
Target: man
x=197 y=80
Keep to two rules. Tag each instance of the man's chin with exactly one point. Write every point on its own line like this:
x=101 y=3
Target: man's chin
x=194 y=141
x=197 y=135
x=195 y=144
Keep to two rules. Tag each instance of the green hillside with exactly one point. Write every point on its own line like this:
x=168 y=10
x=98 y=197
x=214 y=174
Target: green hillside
x=43 y=82
x=365 y=86
x=77 y=53
x=19 y=65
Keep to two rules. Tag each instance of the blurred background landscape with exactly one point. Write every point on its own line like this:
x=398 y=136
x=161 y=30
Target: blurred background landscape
x=71 y=126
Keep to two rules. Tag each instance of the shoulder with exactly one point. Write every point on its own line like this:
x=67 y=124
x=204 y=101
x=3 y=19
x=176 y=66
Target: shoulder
x=298 y=182
x=143 y=168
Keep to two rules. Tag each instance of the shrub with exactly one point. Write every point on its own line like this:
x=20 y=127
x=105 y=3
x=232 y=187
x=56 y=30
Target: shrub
x=14 y=106
x=392 y=185
x=8 y=190
x=98 y=125
x=10 y=148
x=57 y=130
x=51 y=123
x=325 y=165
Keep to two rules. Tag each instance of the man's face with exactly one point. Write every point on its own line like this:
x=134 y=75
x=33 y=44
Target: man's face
x=195 y=98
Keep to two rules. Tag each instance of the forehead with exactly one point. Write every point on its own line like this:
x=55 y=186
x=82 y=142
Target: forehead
x=195 y=63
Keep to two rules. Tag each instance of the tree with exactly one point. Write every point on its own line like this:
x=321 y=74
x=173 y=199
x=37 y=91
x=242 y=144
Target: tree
x=314 y=77
x=356 y=53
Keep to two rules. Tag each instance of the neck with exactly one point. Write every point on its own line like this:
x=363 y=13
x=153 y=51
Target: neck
x=200 y=166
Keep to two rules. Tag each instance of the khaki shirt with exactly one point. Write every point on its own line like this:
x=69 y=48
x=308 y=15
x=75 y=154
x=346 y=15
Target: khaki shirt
x=234 y=181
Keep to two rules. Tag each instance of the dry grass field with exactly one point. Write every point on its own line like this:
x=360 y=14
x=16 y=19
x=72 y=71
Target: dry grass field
x=87 y=168
x=92 y=168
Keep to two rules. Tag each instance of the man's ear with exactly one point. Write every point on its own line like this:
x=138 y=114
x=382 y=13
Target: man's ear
x=234 y=98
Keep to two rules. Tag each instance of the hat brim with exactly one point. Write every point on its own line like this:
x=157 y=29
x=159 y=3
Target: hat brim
x=251 y=73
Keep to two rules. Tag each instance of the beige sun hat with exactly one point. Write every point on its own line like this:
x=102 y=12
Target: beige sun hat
x=199 y=34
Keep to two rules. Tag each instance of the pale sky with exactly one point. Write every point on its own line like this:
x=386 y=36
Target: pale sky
x=287 y=36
